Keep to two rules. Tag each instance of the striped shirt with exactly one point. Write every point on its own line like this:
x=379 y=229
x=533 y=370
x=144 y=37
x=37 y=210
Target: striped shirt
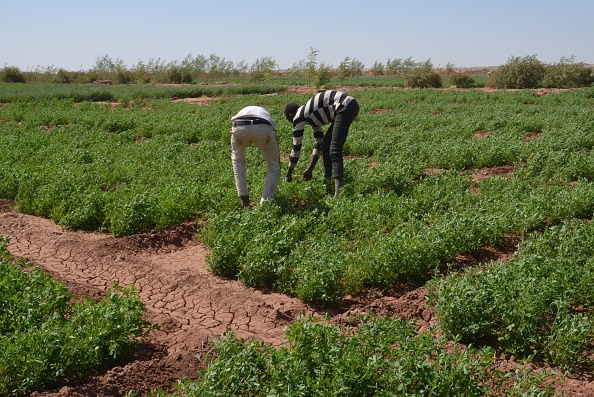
x=319 y=110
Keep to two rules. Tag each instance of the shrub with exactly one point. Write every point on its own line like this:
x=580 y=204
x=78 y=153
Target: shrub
x=124 y=77
x=320 y=277
x=518 y=72
x=177 y=75
x=63 y=76
x=423 y=78
x=567 y=74
x=461 y=80
x=12 y=74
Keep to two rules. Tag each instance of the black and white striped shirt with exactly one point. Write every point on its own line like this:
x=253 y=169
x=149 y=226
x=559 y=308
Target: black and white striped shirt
x=319 y=110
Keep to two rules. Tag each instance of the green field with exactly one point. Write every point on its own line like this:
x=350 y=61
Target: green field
x=128 y=159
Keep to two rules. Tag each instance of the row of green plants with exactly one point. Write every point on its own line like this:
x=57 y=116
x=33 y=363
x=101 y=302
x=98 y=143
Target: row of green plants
x=409 y=207
x=117 y=175
x=539 y=304
x=192 y=69
x=322 y=253
x=383 y=357
x=125 y=94
x=415 y=78
x=47 y=337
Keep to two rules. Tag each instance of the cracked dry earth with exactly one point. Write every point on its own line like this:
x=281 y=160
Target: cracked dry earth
x=190 y=305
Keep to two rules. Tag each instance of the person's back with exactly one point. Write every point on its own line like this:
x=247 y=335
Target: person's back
x=253 y=125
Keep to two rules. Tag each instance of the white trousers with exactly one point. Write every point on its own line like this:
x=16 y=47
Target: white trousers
x=264 y=137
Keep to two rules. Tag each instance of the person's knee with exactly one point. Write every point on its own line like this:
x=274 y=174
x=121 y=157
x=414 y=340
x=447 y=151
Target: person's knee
x=336 y=155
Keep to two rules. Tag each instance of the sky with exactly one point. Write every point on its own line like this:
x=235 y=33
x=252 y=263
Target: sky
x=73 y=34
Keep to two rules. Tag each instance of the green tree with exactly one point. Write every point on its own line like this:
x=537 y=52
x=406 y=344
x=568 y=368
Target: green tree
x=423 y=76
x=104 y=67
x=108 y=69
x=323 y=76
x=311 y=65
x=357 y=67
x=218 y=66
x=449 y=68
x=378 y=69
x=408 y=64
x=394 y=66
x=263 y=69
x=241 y=68
x=344 y=69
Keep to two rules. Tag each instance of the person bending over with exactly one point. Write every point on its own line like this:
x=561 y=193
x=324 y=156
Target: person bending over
x=327 y=107
x=254 y=125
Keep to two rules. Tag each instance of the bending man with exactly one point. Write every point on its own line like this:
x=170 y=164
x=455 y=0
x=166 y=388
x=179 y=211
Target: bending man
x=334 y=107
x=254 y=125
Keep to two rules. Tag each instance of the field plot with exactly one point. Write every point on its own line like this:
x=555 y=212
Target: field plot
x=467 y=212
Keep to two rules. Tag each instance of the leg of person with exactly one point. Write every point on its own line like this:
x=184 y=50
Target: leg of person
x=326 y=152
x=265 y=139
x=342 y=123
x=239 y=142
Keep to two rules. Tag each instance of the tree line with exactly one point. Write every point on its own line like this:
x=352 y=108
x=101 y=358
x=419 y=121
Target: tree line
x=517 y=72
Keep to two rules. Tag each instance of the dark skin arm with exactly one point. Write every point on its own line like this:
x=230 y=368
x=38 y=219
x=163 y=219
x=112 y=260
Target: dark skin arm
x=307 y=174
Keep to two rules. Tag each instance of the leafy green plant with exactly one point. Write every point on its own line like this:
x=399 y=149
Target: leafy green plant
x=569 y=342
x=382 y=356
x=321 y=265
x=45 y=337
x=529 y=306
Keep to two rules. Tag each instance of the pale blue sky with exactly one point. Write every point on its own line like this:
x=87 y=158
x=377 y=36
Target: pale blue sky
x=72 y=34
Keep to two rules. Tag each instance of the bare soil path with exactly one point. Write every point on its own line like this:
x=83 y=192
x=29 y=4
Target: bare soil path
x=190 y=305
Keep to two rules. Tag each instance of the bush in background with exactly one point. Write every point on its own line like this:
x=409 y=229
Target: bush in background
x=568 y=74
x=461 y=80
x=12 y=74
x=423 y=78
x=518 y=73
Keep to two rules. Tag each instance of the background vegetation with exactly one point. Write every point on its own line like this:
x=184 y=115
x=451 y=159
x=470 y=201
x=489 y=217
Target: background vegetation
x=517 y=72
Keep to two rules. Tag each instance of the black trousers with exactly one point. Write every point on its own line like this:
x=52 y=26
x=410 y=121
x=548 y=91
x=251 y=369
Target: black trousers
x=335 y=138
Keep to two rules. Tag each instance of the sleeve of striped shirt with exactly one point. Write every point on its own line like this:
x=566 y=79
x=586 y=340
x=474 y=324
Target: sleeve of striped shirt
x=318 y=134
x=298 y=130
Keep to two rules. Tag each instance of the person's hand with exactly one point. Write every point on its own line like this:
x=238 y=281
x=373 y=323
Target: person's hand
x=309 y=170
x=307 y=174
